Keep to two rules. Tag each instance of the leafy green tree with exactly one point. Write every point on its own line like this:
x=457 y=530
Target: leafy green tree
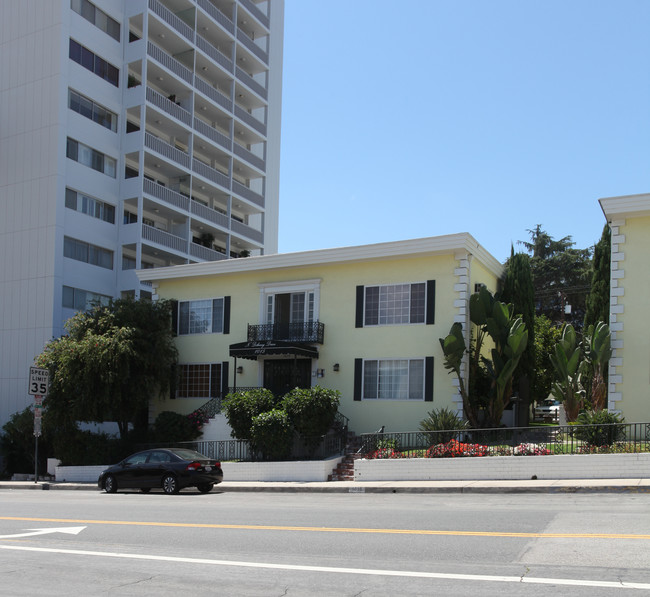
x=598 y=350
x=114 y=359
x=568 y=364
x=598 y=298
x=170 y=427
x=519 y=290
x=561 y=276
x=494 y=319
x=311 y=412
x=546 y=337
x=241 y=408
x=17 y=444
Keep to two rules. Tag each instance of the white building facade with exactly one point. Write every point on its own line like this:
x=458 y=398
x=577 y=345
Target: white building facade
x=133 y=134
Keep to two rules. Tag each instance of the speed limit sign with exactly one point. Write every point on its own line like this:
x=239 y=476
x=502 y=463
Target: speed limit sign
x=39 y=381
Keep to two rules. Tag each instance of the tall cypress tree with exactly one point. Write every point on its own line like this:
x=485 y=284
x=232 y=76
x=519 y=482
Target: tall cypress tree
x=598 y=298
x=519 y=290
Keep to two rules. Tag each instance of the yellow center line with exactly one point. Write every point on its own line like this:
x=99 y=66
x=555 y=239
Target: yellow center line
x=336 y=529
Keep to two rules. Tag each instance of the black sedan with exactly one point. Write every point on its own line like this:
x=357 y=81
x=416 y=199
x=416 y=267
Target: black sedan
x=170 y=469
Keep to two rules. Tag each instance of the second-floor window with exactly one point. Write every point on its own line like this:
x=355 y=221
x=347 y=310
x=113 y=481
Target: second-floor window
x=201 y=317
x=395 y=304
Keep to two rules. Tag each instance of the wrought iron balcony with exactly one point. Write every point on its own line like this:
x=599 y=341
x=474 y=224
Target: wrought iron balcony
x=307 y=331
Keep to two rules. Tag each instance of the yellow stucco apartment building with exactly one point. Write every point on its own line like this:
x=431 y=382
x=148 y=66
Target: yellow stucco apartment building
x=362 y=320
x=629 y=370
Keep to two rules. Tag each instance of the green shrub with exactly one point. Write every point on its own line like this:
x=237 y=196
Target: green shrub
x=443 y=419
x=172 y=427
x=17 y=444
x=271 y=434
x=311 y=412
x=604 y=427
x=240 y=408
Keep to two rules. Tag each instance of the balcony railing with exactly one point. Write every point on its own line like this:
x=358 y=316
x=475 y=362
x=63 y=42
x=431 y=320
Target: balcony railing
x=214 y=53
x=247 y=231
x=209 y=214
x=210 y=173
x=212 y=133
x=249 y=119
x=303 y=331
x=256 y=12
x=165 y=194
x=201 y=252
x=167 y=150
x=171 y=19
x=252 y=46
x=217 y=15
x=245 y=192
x=214 y=94
x=165 y=104
x=169 y=62
x=249 y=156
x=245 y=78
x=163 y=238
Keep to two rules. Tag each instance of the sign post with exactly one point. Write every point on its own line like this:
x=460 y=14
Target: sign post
x=39 y=383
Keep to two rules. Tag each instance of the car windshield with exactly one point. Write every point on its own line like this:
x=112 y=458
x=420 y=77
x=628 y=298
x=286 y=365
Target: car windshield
x=188 y=454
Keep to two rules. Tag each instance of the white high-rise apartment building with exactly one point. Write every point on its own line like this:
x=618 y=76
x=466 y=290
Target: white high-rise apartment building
x=133 y=134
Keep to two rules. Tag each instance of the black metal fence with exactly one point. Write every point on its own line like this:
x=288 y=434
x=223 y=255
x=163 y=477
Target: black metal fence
x=302 y=331
x=326 y=446
x=509 y=441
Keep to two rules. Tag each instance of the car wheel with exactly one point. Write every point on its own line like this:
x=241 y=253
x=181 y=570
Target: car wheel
x=205 y=487
x=170 y=484
x=110 y=484
x=145 y=489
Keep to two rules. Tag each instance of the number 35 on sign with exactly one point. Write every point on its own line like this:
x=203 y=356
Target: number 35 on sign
x=38 y=381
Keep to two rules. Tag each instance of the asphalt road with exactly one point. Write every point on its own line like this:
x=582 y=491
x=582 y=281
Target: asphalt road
x=241 y=544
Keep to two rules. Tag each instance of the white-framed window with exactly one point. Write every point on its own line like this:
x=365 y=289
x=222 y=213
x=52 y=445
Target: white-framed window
x=393 y=379
x=201 y=316
x=89 y=206
x=291 y=302
x=199 y=380
x=395 y=304
x=82 y=300
x=97 y=17
x=83 y=251
x=92 y=110
x=90 y=157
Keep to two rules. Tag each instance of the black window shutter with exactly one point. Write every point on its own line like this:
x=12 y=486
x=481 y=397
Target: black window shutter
x=174 y=306
x=358 y=377
x=428 y=379
x=431 y=302
x=224 y=378
x=359 y=312
x=226 y=315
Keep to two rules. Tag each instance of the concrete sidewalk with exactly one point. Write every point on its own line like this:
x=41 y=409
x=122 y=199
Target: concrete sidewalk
x=527 y=486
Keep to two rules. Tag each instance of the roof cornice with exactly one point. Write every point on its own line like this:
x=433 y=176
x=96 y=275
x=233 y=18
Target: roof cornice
x=435 y=245
x=625 y=206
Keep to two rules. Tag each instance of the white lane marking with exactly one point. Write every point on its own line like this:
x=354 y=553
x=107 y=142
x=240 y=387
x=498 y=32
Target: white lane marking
x=403 y=573
x=33 y=532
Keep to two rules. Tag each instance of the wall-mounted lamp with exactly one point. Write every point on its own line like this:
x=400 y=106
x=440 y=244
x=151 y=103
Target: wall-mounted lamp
x=240 y=370
x=320 y=372
x=336 y=367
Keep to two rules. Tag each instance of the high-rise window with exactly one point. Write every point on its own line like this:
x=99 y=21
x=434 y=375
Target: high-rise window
x=92 y=110
x=83 y=251
x=82 y=300
x=97 y=17
x=90 y=206
x=91 y=157
x=94 y=63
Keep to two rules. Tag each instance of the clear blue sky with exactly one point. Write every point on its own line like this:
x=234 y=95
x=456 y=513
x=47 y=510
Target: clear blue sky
x=412 y=118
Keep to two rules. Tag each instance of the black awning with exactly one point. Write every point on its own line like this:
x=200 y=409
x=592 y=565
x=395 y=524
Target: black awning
x=252 y=350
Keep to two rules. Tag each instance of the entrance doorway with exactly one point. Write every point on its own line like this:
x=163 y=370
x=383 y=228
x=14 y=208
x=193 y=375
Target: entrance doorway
x=282 y=375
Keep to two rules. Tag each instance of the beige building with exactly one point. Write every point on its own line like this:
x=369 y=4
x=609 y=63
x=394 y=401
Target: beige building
x=363 y=320
x=629 y=370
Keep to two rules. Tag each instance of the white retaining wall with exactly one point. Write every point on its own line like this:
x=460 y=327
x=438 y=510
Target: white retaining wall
x=496 y=468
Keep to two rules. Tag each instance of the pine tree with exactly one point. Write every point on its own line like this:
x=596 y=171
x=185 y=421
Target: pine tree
x=598 y=298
